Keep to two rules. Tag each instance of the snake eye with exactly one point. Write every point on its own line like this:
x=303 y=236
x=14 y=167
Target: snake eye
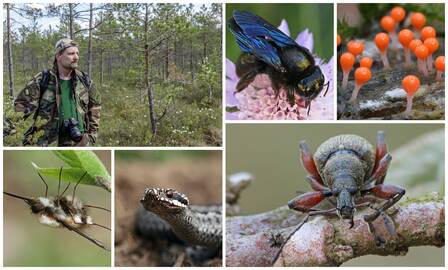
x=169 y=193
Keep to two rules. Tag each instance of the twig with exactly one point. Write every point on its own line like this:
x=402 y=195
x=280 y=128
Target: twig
x=255 y=240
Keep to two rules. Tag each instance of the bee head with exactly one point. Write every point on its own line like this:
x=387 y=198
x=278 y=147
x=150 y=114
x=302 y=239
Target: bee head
x=310 y=86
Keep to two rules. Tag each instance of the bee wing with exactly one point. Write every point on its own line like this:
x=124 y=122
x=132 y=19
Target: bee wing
x=255 y=26
x=85 y=235
x=259 y=47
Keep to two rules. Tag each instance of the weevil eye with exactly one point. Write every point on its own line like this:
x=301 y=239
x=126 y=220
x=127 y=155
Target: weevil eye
x=352 y=190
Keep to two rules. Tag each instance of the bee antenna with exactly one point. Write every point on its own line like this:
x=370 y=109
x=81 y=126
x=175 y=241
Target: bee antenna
x=27 y=200
x=96 y=207
x=45 y=183
x=74 y=189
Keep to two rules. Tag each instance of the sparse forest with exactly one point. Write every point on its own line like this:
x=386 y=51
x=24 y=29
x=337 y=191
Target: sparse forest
x=157 y=67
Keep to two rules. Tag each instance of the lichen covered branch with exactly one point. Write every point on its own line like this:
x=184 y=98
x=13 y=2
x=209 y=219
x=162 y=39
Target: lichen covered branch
x=323 y=241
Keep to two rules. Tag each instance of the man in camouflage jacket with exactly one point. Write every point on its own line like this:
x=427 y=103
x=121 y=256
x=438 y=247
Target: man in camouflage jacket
x=47 y=104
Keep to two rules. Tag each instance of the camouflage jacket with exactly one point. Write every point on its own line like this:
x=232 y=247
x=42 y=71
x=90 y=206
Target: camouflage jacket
x=87 y=100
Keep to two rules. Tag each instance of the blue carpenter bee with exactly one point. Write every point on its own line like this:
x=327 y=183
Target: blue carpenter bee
x=265 y=49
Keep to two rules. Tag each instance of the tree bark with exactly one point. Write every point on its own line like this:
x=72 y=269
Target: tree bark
x=324 y=241
x=90 y=48
x=70 y=7
x=10 y=59
x=152 y=116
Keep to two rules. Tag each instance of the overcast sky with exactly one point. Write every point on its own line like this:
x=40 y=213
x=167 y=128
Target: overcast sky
x=44 y=23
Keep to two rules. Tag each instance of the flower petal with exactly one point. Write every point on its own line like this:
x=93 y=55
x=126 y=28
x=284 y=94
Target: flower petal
x=230 y=70
x=305 y=39
x=232 y=116
x=284 y=27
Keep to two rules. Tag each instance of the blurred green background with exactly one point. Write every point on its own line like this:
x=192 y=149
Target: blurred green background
x=270 y=152
x=161 y=156
x=28 y=243
x=318 y=18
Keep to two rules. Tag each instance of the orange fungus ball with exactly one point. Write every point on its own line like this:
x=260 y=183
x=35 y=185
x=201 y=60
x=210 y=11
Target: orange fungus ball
x=355 y=47
x=366 y=62
x=421 y=52
x=382 y=41
x=387 y=23
x=428 y=32
x=362 y=75
x=347 y=61
x=418 y=20
x=414 y=44
x=432 y=44
x=410 y=84
x=398 y=14
x=405 y=37
x=440 y=63
x=338 y=40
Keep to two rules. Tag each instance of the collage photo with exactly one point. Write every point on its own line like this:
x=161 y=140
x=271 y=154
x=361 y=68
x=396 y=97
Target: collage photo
x=223 y=134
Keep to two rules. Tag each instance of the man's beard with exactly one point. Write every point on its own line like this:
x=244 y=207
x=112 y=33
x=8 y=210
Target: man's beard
x=73 y=65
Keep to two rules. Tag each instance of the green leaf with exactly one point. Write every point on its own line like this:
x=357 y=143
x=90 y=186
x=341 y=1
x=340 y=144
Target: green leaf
x=80 y=162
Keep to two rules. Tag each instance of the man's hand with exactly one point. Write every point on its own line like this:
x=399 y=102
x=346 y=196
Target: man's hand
x=85 y=141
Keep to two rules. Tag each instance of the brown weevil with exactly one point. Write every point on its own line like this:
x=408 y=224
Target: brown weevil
x=345 y=168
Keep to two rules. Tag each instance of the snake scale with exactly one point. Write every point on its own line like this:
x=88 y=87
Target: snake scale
x=167 y=213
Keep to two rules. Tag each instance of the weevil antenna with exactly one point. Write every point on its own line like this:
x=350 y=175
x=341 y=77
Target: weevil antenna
x=76 y=186
x=45 y=183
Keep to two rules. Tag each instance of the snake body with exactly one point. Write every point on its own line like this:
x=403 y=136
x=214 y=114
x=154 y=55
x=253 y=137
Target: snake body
x=167 y=213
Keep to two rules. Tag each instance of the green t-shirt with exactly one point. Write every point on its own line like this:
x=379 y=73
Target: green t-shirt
x=67 y=108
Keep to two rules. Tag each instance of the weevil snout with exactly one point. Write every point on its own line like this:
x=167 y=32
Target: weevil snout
x=345 y=204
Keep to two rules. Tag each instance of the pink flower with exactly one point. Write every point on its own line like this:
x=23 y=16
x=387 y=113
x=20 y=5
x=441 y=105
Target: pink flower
x=259 y=101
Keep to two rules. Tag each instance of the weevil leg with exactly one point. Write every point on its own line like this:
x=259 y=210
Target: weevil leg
x=391 y=193
x=308 y=215
x=306 y=201
x=308 y=162
x=315 y=185
x=380 y=171
x=381 y=151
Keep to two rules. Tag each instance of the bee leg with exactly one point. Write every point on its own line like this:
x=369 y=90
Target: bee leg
x=308 y=105
x=391 y=193
x=328 y=87
x=381 y=151
x=308 y=162
x=45 y=183
x=247 y=79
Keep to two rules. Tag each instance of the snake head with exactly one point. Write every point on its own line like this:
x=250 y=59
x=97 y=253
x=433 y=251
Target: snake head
x=162 y=200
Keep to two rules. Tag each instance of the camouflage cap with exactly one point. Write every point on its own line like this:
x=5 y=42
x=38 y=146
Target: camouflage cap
x=63 y=44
